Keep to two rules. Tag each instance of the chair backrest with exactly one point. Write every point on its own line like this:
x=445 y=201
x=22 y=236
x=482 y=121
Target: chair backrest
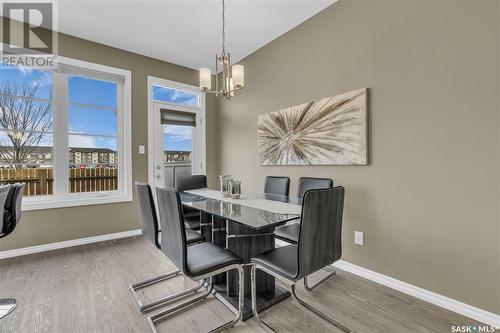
x=308 y=183
x=17 y=199
x=148 y=213
x=172 y=227
x=4 y=192
x=277 y=185
x=12 y=205
x=183 y=183
x=319 y=243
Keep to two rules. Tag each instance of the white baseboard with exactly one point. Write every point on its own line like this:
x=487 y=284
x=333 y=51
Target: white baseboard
x=423 y=294
x=73 y=242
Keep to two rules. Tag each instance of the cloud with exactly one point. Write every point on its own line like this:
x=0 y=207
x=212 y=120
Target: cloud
x=174 y=96
x=178 y=133
x=86 y=141
x=183 y=97
x=82 y=141
x=25 y=70
x=74 y=130
x=44 y=79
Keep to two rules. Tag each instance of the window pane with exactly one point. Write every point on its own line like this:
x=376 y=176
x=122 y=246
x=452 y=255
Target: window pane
x=23 y=81
x=177 y=143
x=93 y=141
x=87 y=91
x=91 y=121
x=26 y=153
x=31 y=164
x=175 y=96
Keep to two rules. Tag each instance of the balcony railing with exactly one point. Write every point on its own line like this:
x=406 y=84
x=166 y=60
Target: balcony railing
x=174 y=169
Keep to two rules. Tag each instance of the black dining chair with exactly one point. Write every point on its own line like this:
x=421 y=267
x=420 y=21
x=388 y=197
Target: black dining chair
x=13 y=203
x=290 y=232
x=186 y=183
x=198 y=261
x=277 y=185
x=11 y=197
x=152 y=233
x=319 y=244
x=4 y=193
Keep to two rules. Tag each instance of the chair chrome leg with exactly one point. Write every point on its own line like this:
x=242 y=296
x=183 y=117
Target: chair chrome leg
x=253 y=285
x=241 y=303
x=323 y=315
x=264 y=325
x=154 y=319
x=164 y=300
x=7 y=305
x=331 y=272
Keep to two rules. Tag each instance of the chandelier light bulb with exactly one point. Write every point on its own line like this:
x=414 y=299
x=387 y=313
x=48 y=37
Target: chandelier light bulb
x=205 y=79
x=238 y=74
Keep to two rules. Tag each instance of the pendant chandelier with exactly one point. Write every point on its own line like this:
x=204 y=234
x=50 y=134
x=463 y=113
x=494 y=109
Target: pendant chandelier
x=232 y=77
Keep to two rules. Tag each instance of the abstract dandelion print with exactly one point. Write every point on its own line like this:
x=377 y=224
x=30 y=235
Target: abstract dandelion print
x=331 y=131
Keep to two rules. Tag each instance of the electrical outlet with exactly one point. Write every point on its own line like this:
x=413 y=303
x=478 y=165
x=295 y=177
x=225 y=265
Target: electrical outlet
x=142 y=150
x=358 y=238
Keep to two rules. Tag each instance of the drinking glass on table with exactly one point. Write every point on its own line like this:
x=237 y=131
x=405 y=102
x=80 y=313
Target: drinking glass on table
x=235 y=189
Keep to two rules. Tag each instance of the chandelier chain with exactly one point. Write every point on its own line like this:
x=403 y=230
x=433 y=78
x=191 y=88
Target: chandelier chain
x=223 y=28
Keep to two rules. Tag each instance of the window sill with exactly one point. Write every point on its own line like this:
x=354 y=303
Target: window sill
x=74 y=200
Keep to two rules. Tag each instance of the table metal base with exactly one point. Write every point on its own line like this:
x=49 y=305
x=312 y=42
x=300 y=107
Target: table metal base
x=265 y=299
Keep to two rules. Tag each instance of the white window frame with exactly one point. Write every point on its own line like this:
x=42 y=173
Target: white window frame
x=199 y=146
x=61 y=196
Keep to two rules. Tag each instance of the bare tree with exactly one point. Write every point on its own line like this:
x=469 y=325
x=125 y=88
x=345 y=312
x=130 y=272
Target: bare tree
x=25 y=121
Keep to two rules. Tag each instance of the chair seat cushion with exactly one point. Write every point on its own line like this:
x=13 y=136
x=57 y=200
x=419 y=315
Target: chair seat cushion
x=282 y=261
x=191 y=236
x=206 y=257
x=289 y=232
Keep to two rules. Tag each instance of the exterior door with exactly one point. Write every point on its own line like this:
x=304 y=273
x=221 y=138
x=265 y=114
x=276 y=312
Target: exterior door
x=177 y=131
x=179 y=140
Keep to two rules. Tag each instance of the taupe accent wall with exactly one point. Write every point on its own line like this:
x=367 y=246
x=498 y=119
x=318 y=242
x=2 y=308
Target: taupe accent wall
x=54 y=225
x=428 y=202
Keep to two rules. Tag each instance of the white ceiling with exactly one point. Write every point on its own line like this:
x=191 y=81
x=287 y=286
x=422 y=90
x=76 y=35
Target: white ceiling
x=185 y=32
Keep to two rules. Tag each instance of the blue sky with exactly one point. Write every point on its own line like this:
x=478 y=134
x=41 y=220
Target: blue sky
x=93 y=124
x=19 y=76
x=177 y=137
x=175 y=96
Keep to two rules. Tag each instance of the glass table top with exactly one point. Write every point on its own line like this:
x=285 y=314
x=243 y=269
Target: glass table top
x=254 y=210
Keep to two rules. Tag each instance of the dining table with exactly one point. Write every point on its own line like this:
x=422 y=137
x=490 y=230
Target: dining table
x=244 y=226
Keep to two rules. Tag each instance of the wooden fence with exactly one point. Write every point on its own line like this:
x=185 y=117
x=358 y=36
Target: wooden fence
x=91 y=180
x=40 y=181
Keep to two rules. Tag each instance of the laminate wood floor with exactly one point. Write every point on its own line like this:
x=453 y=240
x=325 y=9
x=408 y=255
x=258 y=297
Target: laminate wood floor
x=85 y=289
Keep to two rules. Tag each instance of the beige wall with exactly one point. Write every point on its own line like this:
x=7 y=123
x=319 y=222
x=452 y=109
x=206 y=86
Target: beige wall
x=428 y=201
x=54 y=225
